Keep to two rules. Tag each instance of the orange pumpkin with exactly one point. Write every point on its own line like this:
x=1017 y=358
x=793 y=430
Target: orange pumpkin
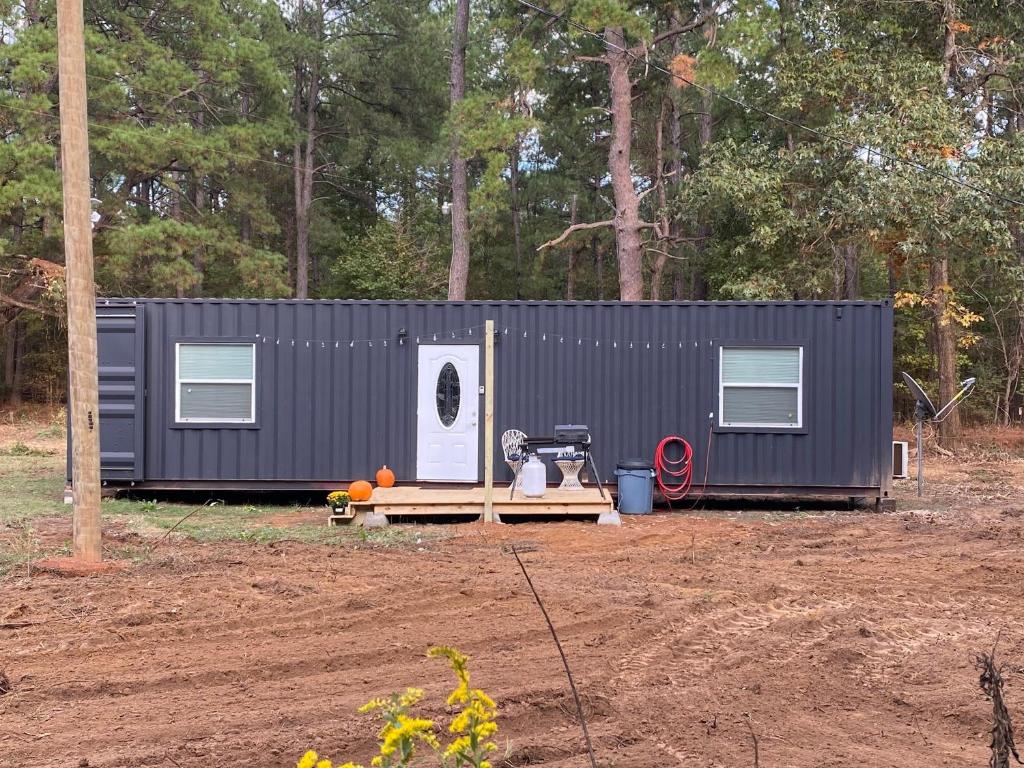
x=360 y=490
x=385 y=477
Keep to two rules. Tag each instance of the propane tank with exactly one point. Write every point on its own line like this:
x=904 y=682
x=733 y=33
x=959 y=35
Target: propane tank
x=534 y=477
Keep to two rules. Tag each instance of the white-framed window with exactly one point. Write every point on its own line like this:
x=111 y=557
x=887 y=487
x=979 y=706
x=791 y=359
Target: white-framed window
x=214 y=383
x=761 y=387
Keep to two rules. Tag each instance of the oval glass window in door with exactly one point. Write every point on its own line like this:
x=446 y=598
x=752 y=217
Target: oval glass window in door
x=448 y=394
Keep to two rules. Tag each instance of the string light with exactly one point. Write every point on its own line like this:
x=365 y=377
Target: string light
x=463 y=333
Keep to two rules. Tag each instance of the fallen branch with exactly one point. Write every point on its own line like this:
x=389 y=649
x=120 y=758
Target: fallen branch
x=18 y=624
x=565 y=661
x=991 y=682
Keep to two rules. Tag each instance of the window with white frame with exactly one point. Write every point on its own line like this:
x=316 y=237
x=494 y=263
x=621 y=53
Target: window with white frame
x=760 y=387
x=215 y=383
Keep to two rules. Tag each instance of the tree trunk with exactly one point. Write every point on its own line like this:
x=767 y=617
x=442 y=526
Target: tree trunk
x=949 y=40
x=845 y=272
x=458 y=275
x=627 y=222
x=12 y=363
x=517 y=236
x=574 y=253
x=176 y=215
x=705 y=130
x=945 y=351
x=245 y=220
x=303 y=150
x=676 y=141
x=945 y=333
x=851 y=272
x=303 y=167
x=661 y=257
x=595 y=246
x=199 y=210
x=14 y=399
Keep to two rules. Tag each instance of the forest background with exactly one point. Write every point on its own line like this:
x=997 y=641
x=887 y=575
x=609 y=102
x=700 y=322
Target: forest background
x=535 y=149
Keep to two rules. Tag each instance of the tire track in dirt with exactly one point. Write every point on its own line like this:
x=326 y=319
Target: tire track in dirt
x=262 y=661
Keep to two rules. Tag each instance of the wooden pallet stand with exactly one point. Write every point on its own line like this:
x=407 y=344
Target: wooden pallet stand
x=343 y=518
x=424 y=500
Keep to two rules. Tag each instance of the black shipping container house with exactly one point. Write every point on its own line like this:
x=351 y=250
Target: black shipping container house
x=791 y=398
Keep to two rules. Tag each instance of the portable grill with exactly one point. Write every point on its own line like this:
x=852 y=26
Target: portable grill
x=565 y=436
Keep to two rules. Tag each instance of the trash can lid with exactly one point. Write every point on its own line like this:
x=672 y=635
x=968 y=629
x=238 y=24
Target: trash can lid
x=634 y=464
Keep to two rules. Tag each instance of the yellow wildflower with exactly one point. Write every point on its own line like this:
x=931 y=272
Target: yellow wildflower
x=408 y=728
x=308 y=760
x=410 y=697
x=371 y=705
x=324 y=764
x=458 y=745
x=484 y=699
x=484 y=730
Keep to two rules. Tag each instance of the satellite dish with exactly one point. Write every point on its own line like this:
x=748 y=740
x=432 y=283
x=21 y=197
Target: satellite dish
x=924 y=403
x=925 y=411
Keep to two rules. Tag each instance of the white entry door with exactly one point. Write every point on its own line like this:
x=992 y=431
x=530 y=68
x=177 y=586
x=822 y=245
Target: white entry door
x=447 y=412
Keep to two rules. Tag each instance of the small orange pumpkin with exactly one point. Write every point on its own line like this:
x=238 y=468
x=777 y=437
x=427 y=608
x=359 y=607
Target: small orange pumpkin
x=360 y=490
x=385 y=477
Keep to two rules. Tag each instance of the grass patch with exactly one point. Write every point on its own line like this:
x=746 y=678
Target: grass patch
x=32 y=488
x=13 y=561
x=221 y=522
x=20 y=449
x=52 y=431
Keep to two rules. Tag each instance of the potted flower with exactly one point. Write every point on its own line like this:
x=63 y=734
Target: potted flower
x=338 y=501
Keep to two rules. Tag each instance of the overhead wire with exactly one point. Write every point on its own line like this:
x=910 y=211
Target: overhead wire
x=715 y=93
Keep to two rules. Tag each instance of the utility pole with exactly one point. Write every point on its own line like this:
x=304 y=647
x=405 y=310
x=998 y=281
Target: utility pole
x=83 y=394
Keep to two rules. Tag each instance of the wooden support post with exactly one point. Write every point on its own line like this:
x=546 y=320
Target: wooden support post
x=489 y=421
x=81 y=296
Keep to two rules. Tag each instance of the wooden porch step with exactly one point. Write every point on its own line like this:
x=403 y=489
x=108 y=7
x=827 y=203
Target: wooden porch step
x=426 y=500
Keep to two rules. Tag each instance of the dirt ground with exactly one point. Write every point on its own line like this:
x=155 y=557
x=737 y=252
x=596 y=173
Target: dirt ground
x=837 y=638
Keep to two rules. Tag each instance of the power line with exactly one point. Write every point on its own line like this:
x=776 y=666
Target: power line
x=772 y=115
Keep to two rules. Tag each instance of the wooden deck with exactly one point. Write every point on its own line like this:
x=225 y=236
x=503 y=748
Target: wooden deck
x=427 y=500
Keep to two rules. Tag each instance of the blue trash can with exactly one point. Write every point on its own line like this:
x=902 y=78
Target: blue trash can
x=636 y=486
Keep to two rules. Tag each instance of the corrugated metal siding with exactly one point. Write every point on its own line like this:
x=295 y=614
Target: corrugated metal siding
x=329 y=413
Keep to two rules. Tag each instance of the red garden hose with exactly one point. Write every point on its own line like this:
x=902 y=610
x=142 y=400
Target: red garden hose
x=673 y=477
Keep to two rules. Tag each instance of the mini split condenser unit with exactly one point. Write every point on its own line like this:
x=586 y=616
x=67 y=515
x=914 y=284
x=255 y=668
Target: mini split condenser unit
x=900 y=459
